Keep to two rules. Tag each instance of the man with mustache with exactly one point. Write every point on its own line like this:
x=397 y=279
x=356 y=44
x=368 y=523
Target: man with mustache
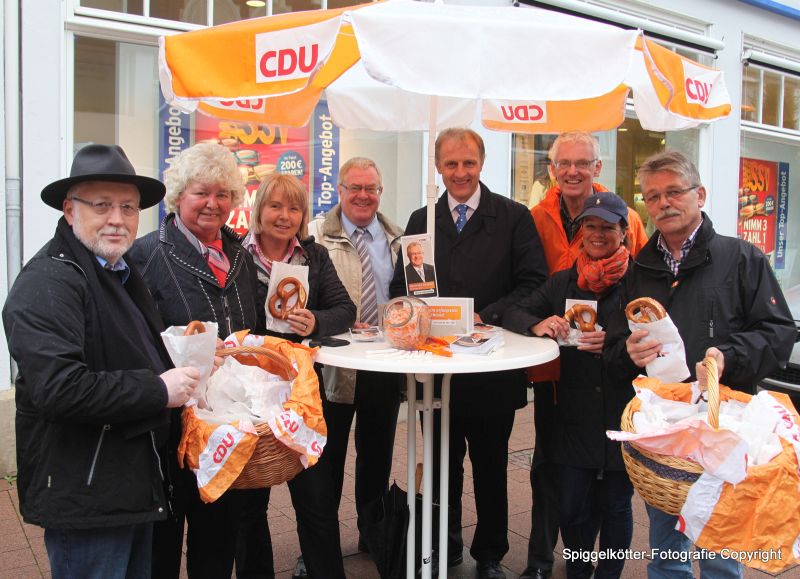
x=725 y=301
x=574 y=164
x=94 y=385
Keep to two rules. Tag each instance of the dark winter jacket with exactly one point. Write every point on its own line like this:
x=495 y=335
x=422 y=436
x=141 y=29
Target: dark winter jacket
x=185 y=288
x=328 y=300
x=588 y=401
x=724 y=295
x=88 y=396
x=497 y=259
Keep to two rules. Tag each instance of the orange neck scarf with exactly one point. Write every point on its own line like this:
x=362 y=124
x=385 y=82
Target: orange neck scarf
x=597 y=275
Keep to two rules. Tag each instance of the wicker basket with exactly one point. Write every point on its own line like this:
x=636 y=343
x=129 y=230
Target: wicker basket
x=663 y=481
x=273 y=462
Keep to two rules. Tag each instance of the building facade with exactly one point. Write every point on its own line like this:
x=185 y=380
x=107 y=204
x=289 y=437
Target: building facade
x=79 y=71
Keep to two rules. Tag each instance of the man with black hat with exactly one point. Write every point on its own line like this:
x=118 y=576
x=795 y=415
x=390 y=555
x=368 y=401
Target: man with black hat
x=94 y=383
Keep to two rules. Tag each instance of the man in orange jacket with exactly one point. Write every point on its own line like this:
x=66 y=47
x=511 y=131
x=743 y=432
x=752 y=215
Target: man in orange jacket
x=574 y=163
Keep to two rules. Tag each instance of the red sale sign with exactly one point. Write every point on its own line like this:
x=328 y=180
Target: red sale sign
x=758 y=186
x=259 y=150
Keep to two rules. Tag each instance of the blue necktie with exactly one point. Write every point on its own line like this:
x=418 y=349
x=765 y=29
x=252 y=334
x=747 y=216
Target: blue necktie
x=462 y=217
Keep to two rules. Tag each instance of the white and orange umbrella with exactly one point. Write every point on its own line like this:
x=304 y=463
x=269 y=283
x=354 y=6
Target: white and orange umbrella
x=402 y=65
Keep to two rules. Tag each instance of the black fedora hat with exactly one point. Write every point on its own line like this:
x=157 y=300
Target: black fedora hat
x=103 y=163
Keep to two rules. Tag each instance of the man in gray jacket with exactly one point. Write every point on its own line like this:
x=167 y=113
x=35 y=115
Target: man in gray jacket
x=363 y=244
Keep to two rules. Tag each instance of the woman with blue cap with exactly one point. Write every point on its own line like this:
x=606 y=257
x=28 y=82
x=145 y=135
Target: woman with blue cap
x=594 y=485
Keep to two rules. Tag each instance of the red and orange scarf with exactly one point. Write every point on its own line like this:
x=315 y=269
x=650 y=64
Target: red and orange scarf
x=597 y=275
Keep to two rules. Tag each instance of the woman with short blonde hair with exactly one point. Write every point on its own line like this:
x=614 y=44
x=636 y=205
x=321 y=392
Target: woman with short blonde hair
x=203 y=163
x=294 y=191
x=279 y=233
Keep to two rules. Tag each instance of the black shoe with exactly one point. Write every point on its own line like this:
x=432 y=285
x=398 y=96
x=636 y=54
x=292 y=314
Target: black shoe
x=535 y=573
x=490 y=570
x=300 y=569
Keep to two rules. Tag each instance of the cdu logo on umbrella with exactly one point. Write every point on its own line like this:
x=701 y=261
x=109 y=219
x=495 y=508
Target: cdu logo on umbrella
x=295 y=53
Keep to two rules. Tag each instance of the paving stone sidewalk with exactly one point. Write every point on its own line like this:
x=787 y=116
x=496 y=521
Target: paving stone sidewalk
x=23 y=556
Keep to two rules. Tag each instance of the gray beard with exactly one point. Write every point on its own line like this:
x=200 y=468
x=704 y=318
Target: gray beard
x=111 y=253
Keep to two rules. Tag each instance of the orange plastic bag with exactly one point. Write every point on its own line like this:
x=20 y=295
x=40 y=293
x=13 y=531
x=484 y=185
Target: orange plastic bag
x=218 y=453
x=301 y=426
x=757 y=520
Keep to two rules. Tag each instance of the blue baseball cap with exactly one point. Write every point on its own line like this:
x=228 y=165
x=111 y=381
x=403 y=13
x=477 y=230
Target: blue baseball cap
x=607 y=206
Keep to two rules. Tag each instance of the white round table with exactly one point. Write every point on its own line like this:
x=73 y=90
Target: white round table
x=518 y=352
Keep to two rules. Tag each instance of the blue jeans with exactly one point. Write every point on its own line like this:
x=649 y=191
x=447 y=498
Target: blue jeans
x=586 y=496
x=668 y=541
x=104 y=553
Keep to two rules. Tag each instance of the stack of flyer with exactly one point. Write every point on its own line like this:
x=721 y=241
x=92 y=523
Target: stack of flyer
x=484 y=340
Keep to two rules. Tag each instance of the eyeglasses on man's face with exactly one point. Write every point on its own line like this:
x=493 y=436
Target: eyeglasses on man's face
x=368 y=189
x=671 y=194
x=104 y=207
x=580 y=164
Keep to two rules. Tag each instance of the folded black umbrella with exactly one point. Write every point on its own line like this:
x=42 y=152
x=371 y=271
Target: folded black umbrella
x=384 y=530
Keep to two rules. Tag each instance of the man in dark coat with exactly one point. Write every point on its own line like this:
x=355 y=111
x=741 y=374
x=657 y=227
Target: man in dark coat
x=725 y=301
x=486 y=247
x=94 y=386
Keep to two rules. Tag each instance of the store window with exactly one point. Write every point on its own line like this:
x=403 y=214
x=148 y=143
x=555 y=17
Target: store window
x=118 y=100
x=223 y=11
x=622 y=151
x=124 y=6
x=771 y=97
x=769 y=172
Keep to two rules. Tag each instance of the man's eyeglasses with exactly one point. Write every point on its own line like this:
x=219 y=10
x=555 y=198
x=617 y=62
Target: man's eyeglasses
x=654 y=198
x=580 y=164
x=368 y=189
x=103 y=207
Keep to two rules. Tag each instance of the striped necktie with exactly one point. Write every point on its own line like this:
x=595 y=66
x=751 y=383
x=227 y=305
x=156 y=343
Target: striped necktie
x=462 y=216
x=369 y=299
x=218 y=262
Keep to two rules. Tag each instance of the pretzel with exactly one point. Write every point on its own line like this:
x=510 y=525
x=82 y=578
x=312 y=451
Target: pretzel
x=279 y=303
x=194 y=327
x=644 y=310
x=584 y=316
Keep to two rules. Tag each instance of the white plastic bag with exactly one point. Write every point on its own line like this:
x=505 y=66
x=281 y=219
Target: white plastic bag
x=245 y=393
x=573 y=337
x=196 y=350
x=670 y=365
x=281 y=271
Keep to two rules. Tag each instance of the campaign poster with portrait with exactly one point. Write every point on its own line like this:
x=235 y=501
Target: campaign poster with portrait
x=758 y=195
x=259 y=150
x=419 y=267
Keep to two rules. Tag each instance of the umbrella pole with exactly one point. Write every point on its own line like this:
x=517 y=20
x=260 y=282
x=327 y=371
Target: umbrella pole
x=411 y=441
x=431 y=186
x=427 y=475
x=444 y=476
